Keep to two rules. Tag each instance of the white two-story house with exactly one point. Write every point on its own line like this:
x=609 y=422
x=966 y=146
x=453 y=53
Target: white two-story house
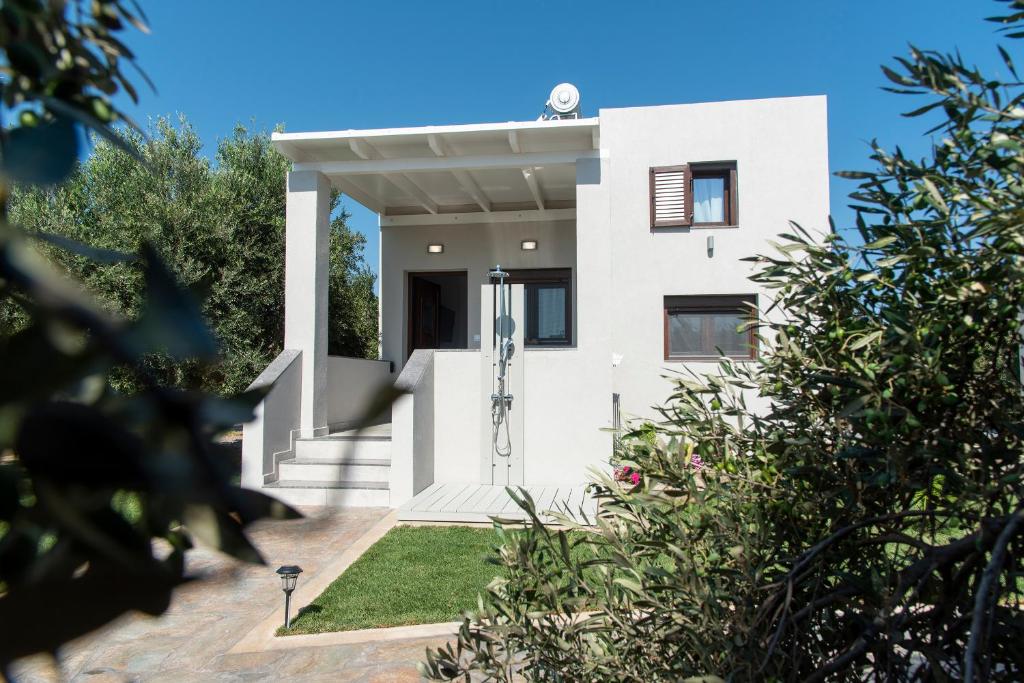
x=621 y=236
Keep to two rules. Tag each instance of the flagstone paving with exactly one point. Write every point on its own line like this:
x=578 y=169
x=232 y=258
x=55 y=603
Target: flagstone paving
x=191 y=641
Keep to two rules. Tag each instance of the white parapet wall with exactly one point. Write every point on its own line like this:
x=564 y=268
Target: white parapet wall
x=270 y=434
x=353 y=385
x=412 y=429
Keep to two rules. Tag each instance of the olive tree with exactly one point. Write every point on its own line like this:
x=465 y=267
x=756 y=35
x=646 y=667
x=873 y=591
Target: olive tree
x=218 y=226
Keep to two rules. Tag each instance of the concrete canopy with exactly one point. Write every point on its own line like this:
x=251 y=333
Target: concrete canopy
x=443 y=170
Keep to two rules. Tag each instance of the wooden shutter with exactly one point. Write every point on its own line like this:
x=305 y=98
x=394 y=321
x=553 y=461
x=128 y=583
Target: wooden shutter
x=671 y=202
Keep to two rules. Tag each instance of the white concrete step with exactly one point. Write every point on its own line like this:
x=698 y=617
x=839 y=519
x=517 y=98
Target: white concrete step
x=335 y=469
x=370 y=443
x=335 y=494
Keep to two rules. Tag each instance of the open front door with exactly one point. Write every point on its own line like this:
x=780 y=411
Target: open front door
x=437 y=311
x=425 y=314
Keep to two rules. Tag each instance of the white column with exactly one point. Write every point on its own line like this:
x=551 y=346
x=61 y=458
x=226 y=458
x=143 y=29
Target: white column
x=305 y=299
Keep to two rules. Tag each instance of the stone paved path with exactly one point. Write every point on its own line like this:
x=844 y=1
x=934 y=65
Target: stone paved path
x=190 y=641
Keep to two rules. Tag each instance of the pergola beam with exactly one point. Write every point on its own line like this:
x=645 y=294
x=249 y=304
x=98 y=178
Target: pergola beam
x=348 y=186
x=463 y=163
x=472 y=189
x=513 y=141
x=526 y=215
x=409 y=186
x=530 y=175
x=367 y=152
x=465 y=180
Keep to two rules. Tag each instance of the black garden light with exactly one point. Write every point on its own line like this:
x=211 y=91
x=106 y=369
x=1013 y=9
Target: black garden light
x=289 y=577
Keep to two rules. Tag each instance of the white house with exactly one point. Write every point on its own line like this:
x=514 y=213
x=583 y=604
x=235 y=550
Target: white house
x=622 y=236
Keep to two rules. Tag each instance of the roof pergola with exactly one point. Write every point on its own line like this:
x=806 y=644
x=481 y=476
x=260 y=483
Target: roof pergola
x=434 y=174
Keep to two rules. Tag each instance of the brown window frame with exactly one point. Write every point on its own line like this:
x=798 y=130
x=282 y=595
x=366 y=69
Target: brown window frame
x=531 y=278
x=726 y=170
x=711 y=303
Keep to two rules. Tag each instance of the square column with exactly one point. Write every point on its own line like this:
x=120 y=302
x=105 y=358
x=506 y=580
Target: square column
x=307 y=263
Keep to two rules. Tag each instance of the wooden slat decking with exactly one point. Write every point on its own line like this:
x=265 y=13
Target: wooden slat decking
x=478 y=503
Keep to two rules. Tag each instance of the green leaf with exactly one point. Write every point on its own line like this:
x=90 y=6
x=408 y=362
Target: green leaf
x=217 y=530
x=94 y=254
x=40 y=155
x=172 y=321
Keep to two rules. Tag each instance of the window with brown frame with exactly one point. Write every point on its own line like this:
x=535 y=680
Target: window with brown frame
x=548 y=309
x=694 y=195
x=708 y=327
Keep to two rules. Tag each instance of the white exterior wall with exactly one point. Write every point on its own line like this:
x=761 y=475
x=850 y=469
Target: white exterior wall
x=457 y=431
x=622 y=270
x=780 y=148
x=472 y=248
x=354 y=384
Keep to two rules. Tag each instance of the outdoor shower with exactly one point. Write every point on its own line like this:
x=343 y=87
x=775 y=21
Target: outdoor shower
x=501 y=400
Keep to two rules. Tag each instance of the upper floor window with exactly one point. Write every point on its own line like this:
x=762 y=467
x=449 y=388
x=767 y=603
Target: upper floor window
x=700 y=195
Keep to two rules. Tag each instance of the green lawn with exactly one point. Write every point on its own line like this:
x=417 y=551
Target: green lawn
x=414 y=575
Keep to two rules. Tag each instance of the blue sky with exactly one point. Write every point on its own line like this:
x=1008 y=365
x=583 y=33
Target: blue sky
x=327 y=65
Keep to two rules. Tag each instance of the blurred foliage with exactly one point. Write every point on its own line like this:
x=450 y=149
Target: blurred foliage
x=220 y=229
x=867 y=524
x=101 y=494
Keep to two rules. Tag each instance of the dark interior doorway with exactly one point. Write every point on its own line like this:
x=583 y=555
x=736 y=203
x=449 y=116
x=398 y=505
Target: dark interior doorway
x=438 y=306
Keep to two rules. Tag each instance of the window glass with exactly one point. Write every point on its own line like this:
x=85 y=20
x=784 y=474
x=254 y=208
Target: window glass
x=709 y=200
x=724 y=334
x=548 y=304
x=684 y=338
x=708 y=326
x=550 y=312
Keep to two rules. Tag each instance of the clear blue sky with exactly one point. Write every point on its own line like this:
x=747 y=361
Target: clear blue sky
x=328 y=65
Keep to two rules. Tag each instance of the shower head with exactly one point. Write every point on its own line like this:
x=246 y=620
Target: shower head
x=496 y=273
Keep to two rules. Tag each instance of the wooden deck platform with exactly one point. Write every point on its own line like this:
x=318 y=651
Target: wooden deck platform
x=479 y=503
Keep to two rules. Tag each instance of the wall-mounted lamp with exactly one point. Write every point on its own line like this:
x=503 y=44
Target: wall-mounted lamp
x=711 y=246
x=528 y=245
x=435 y=248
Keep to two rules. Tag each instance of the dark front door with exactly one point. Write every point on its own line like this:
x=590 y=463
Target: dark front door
x=425 y=325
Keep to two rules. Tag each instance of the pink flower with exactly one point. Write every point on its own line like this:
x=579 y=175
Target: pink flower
x=635 y=478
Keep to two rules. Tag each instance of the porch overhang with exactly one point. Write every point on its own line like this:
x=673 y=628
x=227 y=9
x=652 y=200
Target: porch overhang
x=489 y=172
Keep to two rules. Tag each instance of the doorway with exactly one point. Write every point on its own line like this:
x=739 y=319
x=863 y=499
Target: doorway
x=438 y=307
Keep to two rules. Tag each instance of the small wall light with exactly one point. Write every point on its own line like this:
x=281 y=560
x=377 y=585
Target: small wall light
x=528 y=245
x=289 y=577
x=711 y=246
x=435 y=248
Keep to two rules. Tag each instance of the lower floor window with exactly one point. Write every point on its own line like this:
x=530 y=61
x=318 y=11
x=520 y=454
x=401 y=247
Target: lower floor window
x=707 y=327
x=548 y=306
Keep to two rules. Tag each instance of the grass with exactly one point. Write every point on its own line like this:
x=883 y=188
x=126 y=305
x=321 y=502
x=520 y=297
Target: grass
x=414 y=575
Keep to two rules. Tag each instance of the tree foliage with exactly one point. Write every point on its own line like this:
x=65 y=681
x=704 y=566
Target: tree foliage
x=868 y=525
x=219 y=228
x=90 y=477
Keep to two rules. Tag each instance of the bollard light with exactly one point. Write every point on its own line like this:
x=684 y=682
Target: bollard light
x=289 y=577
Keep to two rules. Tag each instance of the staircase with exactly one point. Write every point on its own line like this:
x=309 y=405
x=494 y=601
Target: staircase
x=349 y=468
